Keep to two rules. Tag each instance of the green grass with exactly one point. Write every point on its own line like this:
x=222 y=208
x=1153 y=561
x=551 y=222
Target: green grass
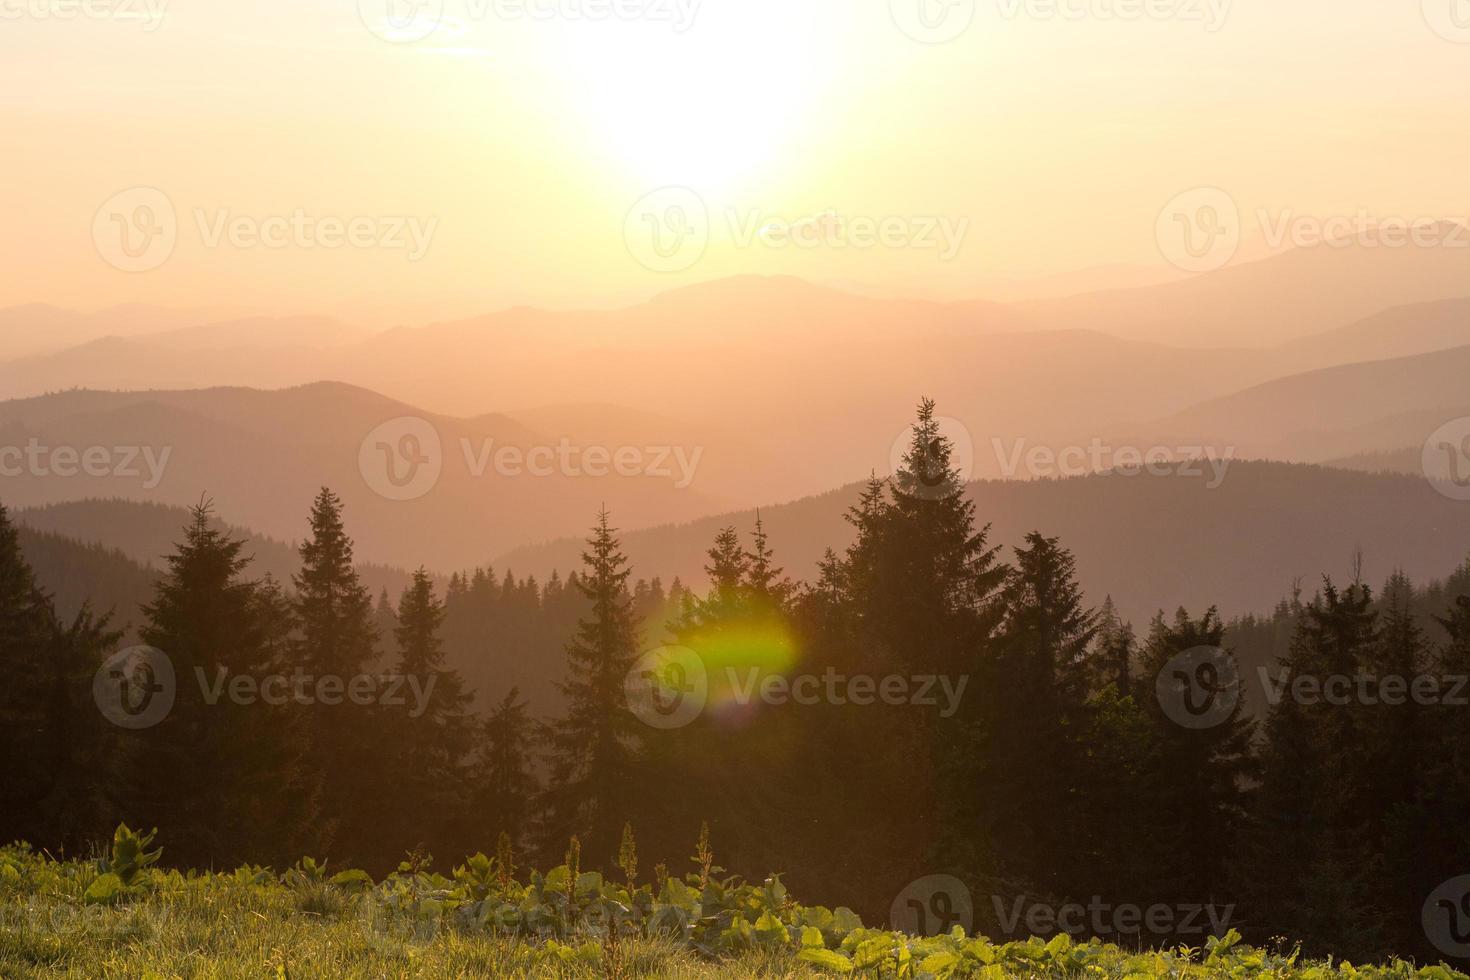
x=146 y=923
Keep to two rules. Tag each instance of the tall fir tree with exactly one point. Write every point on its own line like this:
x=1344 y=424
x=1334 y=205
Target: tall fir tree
x=336 y=643
x=504 y=776
x=27 y=625
x=1199 y=775
x=1309 y=875
x=432 y=729
x=58 y=759
x=594 y=746
x=765 y=581
x=1032 y=699
x=210 y=768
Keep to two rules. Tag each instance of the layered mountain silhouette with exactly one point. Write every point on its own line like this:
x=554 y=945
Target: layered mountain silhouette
x=777 y=390
x=1152 y=542
x=794 y=388
x=263 y=455
x=1275 y=300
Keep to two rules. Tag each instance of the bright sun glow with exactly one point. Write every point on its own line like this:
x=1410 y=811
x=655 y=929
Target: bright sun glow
x=724 y=101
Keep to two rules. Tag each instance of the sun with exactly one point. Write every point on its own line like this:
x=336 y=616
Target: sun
x=723 y=100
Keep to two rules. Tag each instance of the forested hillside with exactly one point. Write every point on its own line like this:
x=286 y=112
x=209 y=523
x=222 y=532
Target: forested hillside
x=964 y=703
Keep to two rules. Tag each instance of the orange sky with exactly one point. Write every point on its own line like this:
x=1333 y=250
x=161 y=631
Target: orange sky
x=307 y=161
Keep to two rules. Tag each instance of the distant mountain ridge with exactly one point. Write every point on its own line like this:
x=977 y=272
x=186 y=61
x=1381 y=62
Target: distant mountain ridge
x=1152 y=542
x=263 y=455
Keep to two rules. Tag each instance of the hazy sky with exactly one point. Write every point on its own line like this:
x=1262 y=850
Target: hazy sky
x=523 y=151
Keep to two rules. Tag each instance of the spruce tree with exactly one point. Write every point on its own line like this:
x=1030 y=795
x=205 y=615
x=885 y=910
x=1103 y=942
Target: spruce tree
x=1311 y=879
x=385 y=618
x=764 y=581
x=594 y=746
x=338 y=635
x=1199 y=774
x=337 y=642
x=916 y=593
x=1398 y=755
x=1033 y=697
x=210 y=766
x=505 y=782
x=1116 y=648
x=431 y=739
x=27 y=627
x=59 y=760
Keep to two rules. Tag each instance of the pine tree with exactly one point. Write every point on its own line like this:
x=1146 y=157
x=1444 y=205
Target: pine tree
x=337 y=642
x=926 y=581
x=57 y=755
x=916 y=593
x=1116 y=648
x=594 y=746
x=764 y=581
x=1398 y=755
x=1311 y=879
x=26 y=629
x=209 y=767
x=338 y=636
x=431 y=740
x=1033 y=699
x=506 y=785
x=1394 y=733
x=385 y=619
x=1199 y=774
x=727 y=600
